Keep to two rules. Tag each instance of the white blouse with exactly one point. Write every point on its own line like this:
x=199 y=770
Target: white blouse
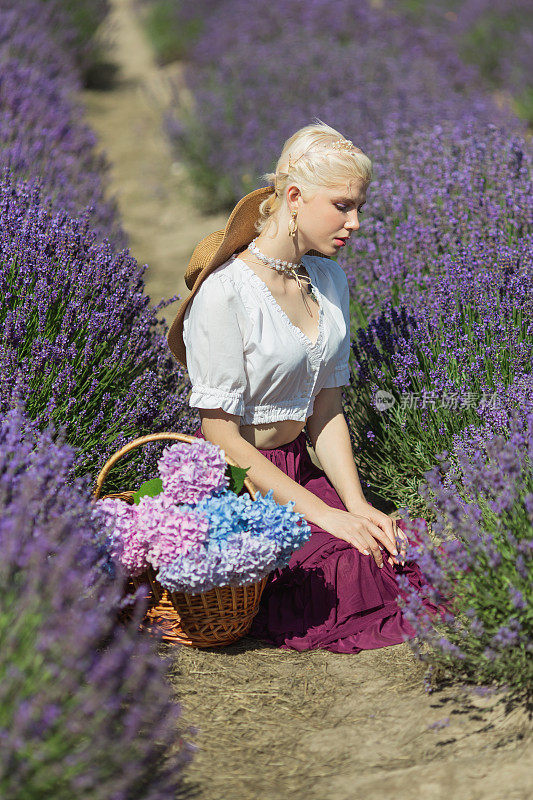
x=244 y=355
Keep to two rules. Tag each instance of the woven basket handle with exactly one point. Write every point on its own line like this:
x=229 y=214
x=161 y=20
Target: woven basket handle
x=159 y=437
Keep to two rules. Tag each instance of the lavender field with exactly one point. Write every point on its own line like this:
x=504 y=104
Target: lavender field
x=440 y=401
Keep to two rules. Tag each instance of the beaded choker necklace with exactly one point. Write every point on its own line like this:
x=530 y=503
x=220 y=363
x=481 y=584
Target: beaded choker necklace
x=286 y=268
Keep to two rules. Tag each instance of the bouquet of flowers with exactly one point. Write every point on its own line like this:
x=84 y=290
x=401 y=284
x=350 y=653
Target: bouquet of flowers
x=194 y=529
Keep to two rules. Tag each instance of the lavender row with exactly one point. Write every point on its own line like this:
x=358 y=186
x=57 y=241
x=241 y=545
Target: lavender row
x=72 y=719
x=42 y=135
x=494 y=35
x=86 y=710
x=363 y=69
x=81 y=341
x=425 y=370
x=481 y=494
x=440 y=275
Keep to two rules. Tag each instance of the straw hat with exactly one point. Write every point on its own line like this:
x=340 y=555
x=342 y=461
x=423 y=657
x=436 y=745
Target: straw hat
x=213 y=251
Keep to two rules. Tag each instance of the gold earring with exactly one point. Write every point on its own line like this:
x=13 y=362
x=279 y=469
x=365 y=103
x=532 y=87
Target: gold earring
x=293 y=225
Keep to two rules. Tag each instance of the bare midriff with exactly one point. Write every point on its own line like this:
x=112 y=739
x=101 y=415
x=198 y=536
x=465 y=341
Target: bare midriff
x=267 y=435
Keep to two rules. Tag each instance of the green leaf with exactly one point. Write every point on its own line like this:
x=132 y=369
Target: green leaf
x=236 y=477
x=151 y=488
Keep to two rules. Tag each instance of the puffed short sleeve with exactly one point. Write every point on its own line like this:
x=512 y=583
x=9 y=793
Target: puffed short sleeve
x=340 y=371
x=214 y=346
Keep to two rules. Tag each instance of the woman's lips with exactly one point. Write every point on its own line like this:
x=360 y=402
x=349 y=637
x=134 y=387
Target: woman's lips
x=340 y=242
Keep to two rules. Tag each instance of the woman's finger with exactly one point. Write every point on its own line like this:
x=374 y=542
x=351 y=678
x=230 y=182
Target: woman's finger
x=383 y=536
x=388 y=525
x=403 y=543
x=364 y=545
x=372 y=544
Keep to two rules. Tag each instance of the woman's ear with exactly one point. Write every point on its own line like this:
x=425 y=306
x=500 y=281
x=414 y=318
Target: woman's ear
x=293 y=193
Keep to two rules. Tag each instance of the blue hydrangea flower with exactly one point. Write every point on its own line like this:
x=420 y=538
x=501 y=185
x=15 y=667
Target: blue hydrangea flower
x=247 y=540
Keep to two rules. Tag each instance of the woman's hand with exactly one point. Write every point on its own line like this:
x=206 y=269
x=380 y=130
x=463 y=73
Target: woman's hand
x=367 y=529
x=387 y=523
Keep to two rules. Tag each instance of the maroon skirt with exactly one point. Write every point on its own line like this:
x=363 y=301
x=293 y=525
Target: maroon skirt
x=330 y=596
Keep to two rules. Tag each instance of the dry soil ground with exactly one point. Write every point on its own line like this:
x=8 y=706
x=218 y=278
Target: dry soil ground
x=275 y=724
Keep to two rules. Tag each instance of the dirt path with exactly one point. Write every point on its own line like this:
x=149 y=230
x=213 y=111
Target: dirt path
x=274 y=724
x=277 y=724
x=150 y=186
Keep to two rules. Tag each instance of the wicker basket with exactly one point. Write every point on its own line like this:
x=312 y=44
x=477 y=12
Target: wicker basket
x=214 y=618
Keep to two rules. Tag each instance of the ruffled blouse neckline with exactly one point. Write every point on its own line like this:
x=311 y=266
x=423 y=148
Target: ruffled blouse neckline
x=304 y=339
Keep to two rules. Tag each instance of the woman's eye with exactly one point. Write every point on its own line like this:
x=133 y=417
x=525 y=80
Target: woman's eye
x=344 y=208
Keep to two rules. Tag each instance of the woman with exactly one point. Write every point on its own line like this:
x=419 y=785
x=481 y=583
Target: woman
x=266 y=344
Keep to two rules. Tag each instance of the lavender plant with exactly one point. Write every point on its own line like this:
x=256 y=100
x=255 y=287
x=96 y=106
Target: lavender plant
x=26 y=38
x=435 y=193
x=482 y=498
x=42 y=135
x=82 y=19
x=85 y=708
x=394 y=76
x=423 y=373
x=80 y=339
x=496 y=37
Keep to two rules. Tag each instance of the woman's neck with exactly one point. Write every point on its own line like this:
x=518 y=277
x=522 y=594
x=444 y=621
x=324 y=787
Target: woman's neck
x=279 y=247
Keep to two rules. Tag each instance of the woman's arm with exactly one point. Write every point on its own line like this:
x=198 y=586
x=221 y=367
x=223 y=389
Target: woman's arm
x=330 y=438
x=222 y=429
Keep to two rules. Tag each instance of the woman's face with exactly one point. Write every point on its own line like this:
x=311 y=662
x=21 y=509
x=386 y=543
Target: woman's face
x=329 y=217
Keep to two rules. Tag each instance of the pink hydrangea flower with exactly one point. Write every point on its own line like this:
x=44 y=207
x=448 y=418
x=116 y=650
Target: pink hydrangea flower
x=169 y=530
x=154 y=532
x=124 y=541
x=190 y=472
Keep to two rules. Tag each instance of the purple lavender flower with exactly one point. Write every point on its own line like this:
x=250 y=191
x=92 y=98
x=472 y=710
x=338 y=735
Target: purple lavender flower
x=59 y=290
x=506 y=635
x=483 y=562
x=439 y=724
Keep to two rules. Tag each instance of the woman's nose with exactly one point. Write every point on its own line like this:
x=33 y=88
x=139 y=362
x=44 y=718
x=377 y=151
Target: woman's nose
x=352 y=221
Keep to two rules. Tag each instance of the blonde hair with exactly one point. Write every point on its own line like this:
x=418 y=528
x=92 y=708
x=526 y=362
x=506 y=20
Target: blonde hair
x=314 y=164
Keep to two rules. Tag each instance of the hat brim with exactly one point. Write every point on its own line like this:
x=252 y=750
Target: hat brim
x=210 y=253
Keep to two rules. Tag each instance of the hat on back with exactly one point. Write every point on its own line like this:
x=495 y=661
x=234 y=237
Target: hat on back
x=214 y=250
